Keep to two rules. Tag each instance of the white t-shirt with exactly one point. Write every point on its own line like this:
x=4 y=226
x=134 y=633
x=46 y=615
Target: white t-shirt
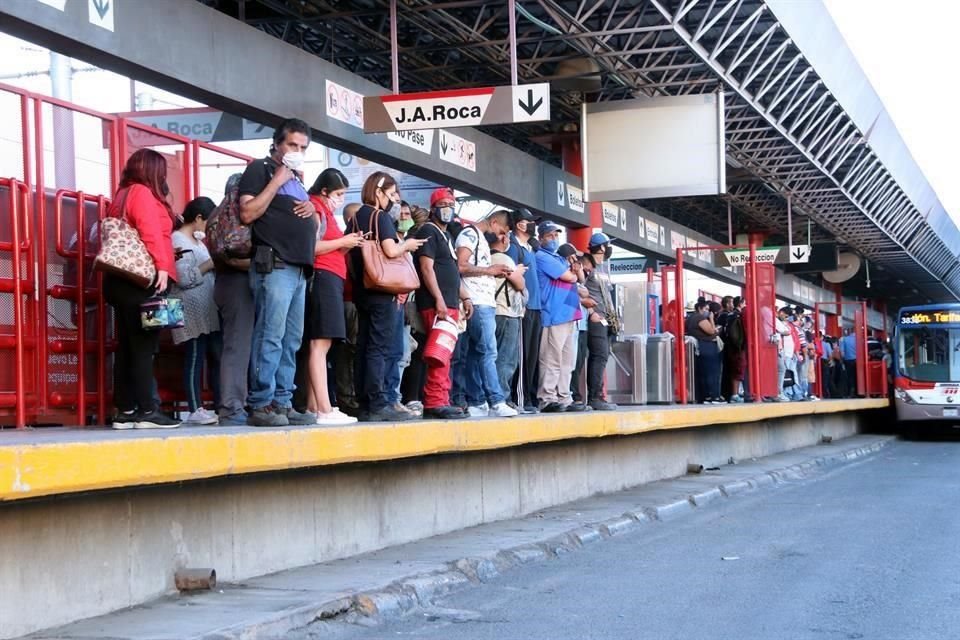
x=510 y=302
x=481 y=288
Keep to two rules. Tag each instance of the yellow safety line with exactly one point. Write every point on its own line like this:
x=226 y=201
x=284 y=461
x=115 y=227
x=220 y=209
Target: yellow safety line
x=52 y=468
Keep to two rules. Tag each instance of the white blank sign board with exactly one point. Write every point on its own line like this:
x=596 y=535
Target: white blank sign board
x=666 y=146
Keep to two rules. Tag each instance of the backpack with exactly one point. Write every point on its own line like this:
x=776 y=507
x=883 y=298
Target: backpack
x=736 y=337
x=227 y=236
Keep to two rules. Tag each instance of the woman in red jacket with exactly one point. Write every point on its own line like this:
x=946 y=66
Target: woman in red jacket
x=142 y=200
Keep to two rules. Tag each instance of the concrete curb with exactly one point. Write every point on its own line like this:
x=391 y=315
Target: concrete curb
x=417 y=591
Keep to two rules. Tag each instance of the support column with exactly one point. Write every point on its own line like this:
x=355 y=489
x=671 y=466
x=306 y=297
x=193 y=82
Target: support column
x=573 y=163
x=833 y=322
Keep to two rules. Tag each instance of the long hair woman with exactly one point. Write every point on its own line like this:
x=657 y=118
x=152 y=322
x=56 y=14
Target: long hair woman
x=142 y=200
x=378 y=312
x=325 y=322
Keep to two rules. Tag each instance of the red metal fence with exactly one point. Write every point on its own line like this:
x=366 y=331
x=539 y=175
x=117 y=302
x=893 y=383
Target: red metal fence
x=59 y=165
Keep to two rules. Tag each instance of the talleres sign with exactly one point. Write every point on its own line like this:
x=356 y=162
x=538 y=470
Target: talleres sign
x=456 y=108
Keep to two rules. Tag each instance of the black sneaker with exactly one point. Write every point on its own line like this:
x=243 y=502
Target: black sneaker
x=444 y=413
x=552 y=407
x=576 y=407
x=124 y=420
x=297 y=418
x=389 y=414
x=530 y=409
x=267 y=416
x=602 y=405
x=155 y=420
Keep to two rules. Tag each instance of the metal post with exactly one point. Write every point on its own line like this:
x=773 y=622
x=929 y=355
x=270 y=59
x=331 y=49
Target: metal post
x=40 y=215
x=512 y=11
x=394 y=49
x=729 y=223
x=753 y=309
x=19 y=378
x=101 y=329
x=81 y=299
x=789 y=221
x=681 y=346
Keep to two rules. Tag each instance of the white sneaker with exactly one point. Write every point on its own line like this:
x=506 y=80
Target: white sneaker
x=416 y=407
x=782 y=398
x=201 y=416
x=812 y=397
x=502 y=410
x=210 y=414
x=481 y=411
x=334 y=419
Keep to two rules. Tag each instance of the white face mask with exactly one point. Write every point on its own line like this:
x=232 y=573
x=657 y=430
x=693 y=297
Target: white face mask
x=199 y=236
x=337 y=201
x=293 y=160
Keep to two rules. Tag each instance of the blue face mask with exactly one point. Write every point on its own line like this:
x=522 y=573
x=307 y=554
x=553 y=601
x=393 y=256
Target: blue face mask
x=551 y=245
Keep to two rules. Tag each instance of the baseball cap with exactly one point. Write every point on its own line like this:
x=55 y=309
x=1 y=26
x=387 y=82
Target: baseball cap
x=598 y=239
x=521 y=215
x=566 y=250
x=443 y=193
x=547 y=226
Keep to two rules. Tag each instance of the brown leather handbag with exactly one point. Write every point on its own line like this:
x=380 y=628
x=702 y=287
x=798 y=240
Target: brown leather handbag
x=387 y=275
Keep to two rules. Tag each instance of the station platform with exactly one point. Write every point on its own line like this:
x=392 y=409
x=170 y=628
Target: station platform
x=55 y=461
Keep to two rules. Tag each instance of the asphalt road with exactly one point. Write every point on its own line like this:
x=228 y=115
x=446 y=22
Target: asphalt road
x=867 y=550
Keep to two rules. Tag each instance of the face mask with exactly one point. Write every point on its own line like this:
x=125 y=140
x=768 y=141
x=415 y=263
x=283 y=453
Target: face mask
x=443 y=214
x=534 y=244
x=337 y=201
x=551 y=245
x=405 y=225
x=293 y=160
x=394 y=211
x=491 y=237
x=608 y=252
x=165 y=189
x=199 y=236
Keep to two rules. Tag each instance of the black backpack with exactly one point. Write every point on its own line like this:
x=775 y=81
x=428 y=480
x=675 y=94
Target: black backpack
x=736 y=337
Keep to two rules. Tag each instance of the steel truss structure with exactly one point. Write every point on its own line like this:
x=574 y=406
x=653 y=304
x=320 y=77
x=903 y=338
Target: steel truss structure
x=787 y=135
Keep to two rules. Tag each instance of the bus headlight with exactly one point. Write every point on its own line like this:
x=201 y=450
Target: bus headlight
x=903 y=396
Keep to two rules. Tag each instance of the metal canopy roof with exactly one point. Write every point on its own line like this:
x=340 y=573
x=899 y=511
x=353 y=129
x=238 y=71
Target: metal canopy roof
x=787 y=133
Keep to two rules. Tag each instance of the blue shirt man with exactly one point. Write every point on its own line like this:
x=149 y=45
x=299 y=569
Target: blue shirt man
x=848 y=347
x=559 y=312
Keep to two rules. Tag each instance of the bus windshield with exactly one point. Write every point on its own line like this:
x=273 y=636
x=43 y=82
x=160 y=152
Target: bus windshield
x=929 y=354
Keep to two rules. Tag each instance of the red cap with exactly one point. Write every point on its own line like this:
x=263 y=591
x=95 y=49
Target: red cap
x=443 y=193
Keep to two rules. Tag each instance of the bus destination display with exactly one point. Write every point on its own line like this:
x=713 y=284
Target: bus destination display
x=930 y=316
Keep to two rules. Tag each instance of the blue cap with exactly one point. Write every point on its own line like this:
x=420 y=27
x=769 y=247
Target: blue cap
x=598 y=239
x=548 y=227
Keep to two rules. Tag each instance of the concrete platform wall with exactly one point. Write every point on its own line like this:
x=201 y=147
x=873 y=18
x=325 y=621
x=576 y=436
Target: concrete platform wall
x=94 y=553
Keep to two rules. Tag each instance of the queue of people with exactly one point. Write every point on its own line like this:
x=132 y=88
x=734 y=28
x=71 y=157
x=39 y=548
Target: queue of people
x=409 y=312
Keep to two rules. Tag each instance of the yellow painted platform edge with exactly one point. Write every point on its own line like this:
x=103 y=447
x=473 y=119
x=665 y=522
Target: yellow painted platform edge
x=35 y=470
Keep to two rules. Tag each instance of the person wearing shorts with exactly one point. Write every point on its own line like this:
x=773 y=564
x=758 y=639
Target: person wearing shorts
x=324 y=323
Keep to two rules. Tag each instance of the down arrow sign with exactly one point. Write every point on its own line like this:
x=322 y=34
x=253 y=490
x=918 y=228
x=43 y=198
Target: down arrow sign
x=102 y=7
x=798 y=253
x=530 y=106
x=443 y=144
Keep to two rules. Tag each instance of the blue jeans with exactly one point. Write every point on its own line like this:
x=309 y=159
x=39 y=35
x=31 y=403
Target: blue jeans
x=394 y=374
x=708 y=369
x=482 y=382
x=458 y=372
x=278 y=301
x=196 y=352
x=375 y=362
x=508 y=351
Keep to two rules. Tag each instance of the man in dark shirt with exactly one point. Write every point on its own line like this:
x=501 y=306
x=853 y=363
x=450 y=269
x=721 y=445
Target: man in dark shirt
x=275 y=203
x=598 y=320
x=438 y=297
x=522 y=250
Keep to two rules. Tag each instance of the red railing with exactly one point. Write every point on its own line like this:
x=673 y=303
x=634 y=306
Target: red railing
x=60 y=337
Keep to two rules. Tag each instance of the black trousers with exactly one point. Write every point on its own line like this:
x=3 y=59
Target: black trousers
x=133 y=381
x=375 y=346
x=598 y=340
x=415 y=375
x=579 y=366
x=529 y=367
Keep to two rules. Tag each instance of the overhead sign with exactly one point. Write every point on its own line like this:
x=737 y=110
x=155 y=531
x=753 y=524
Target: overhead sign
x=930 y=316
x=799 y=253
x=456 y=108
x=611 y=213
x=765 y=255
x=56 y=4
x=575 y=199
x=422 y=141
x=823 y=256
x=458 y=151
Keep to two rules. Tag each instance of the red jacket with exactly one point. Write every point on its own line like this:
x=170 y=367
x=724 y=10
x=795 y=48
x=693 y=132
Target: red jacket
x=149 y=217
